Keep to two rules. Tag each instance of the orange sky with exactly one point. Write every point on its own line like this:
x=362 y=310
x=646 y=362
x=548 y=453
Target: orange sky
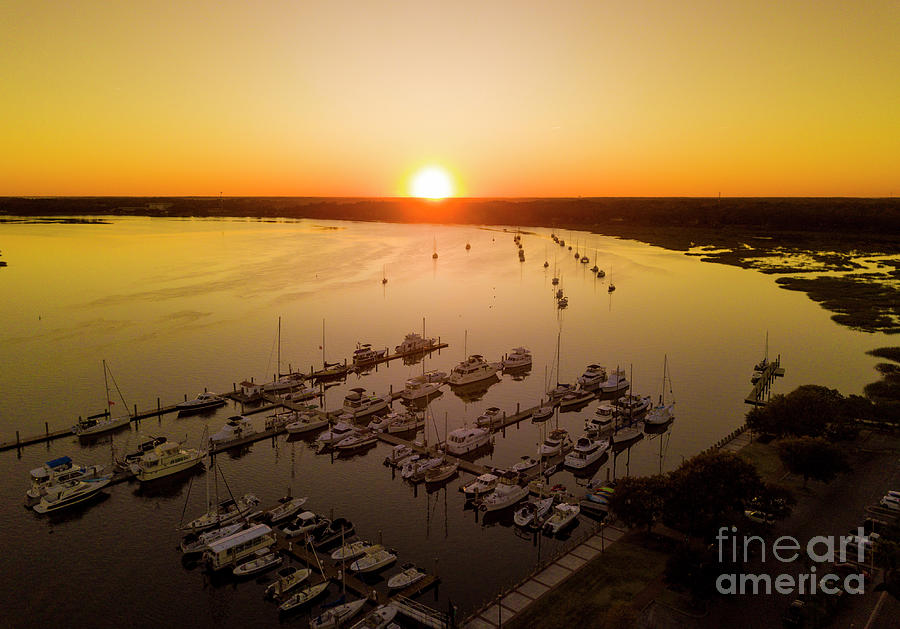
x=514 y=98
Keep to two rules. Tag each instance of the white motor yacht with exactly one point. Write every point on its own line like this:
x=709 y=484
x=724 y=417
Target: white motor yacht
x=166 y=459
x=464 y=440
x=473 y=369
x=586 y=452
x=615 y=381
x=359 y=438
x=57 y=472
x=525 y=463
x=70 y=493
x=359 y=404
x=202 y=402
x=489 y=417
x=542 y=413
x=364 y=354
x=414 y=469
x=563 y=515
x=479 y=486
x=505 y=494
x=558 y=391
x=414 y=343
x=518 y=358
x=404 y=422
x=422 y=386
x=380 y=423
x=306 y=522
x=633 y=406
x=556 y=442
x=399 y=454
x=237 y=427
x=533 y=513
x=306 y=422
x=575 y=398
x=299 y=394
x=592 y=377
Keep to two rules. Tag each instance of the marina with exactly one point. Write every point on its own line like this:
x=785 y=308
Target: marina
x=432 y=525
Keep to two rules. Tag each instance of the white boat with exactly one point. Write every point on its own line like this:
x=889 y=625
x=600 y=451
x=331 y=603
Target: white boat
x=414 y=470
x=505 y=494
x=198 y=542
x=602 y=419
x=464 y=440
x=283 y=383
x=299 y=394
x=338 y=432
x=351 y=551
x=557 y=441
x=306 y=422
x=575 y=398
x=557 y=392
x=264 y=561
x=338 y=615
x=375 y=558
x=306 y=522
x=307 y=594
x=359 y=404
x=489 y=417
x=474 y=369
x=615 y=381
x=228 y=551
x=663 y=413
x=286 y=507
x=519 y=357
x=380 y=617
x=533 y=513
x=399 y=454
x=102 y=422
x=525 y=463
x=404 y=422
x=225 y=512
x=202 y=402
x=479 y=486
x=166 y=459
x=421 y=386
x=70 y=493
x=364 y=354
x=592 y=377
x=542 y=413
x=237 y=427
x=563 y=515
x=414 y=343
x=56 y=472
x=442 y=472
x=286 y=580
x=409 y=575
x=586 y=452
x=359 y=438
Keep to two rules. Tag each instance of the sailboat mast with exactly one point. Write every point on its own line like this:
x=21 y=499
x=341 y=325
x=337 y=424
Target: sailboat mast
x=106 y=386
x=323 y=343
x=279 y=347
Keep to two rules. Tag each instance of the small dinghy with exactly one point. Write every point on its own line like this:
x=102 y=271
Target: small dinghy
x=287 y=579
x=404 y=579
x=263 y=562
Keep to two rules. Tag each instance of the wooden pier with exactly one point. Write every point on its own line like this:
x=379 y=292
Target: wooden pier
x=762 y=389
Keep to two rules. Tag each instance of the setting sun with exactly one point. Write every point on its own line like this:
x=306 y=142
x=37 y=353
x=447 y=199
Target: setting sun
x=431 y=182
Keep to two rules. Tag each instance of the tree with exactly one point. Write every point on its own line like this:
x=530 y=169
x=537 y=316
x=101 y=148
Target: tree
x=774 y=500
x=639 y=501
x=812 y=457
x=807 y=410
x=709 y=491
x=695 y=568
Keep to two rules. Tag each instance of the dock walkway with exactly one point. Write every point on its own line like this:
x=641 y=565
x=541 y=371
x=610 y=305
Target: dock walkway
x=763 y=386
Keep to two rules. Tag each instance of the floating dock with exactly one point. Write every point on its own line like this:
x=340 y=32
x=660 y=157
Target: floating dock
x=763 y=387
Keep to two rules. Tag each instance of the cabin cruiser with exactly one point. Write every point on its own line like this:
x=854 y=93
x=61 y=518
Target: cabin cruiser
x=423 y=386
x=306 y=522
x=287 y=507
x=532 y=513
x=164 y=460
x=286 y=579
x=237 y=427
x=575 y=398
x=225 y=512
x=305 y=422
x=563 y=515
x=414 y=470
x=473 y=369
x=56 y=472
x=505 y=495
x=358 y=404
x=338 y=529
x=633 y=406
x=464 y=440
x=364 y=354
x=559 y=390
x=413 y=343
x=586 y=452
x=338 y=432
x=399 y=454
x=557 y=441
x=300 y=394
x=359 y=438
x=202 y=402
x=404 y=422
x=615 y=381
x=70 y=493
x=518 y=358
x=542 y=413
x=592 y=377
x=489 y=417
x=480 y=485
x=525 y=463
x=143 y=448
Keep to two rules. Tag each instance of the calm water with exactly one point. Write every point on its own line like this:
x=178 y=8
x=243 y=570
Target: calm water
x=176 y=306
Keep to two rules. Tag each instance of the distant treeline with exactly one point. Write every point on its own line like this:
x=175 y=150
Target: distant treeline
x=856 y=215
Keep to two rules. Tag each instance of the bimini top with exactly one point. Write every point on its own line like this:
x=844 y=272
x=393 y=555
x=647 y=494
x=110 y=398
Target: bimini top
x=239 y=538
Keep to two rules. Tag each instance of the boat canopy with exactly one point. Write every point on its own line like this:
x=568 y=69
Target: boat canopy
x=239 y=538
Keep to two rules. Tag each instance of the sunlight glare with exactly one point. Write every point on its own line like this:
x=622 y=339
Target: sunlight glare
x=432 y=182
